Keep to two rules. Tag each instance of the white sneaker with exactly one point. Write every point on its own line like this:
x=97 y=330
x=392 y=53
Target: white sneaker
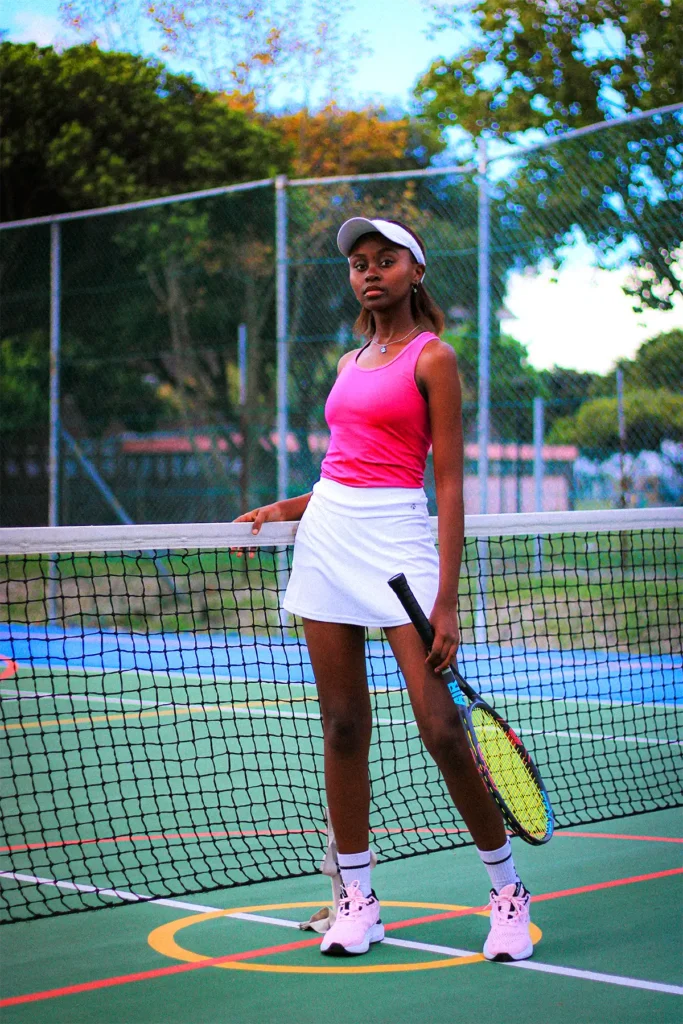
x=356 y=926
x=509 y=938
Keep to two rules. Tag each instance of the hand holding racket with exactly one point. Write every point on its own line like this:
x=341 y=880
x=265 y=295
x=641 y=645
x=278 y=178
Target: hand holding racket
x=502 y=761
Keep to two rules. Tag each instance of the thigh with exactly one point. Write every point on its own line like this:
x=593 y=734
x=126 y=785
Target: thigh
x=429 y=696
x=337 y=653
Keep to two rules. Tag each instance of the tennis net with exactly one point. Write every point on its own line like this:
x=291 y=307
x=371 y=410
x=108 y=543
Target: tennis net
x=160 y=733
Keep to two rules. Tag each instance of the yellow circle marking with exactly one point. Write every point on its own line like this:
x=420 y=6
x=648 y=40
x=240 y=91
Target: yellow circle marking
x=162 y=940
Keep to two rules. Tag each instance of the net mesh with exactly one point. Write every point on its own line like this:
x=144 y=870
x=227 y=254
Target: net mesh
x=160 y=731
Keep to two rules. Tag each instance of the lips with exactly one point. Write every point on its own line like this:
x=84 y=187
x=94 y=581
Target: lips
x=372 y=293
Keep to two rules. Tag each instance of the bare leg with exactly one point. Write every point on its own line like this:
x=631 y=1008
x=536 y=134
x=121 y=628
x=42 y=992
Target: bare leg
x=337 y=654
x=445 y=739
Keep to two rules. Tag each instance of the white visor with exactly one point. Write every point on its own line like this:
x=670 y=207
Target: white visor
x=351 y=231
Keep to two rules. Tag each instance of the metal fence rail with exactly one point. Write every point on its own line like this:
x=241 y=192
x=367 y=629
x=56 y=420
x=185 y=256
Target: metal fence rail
x=131 y=323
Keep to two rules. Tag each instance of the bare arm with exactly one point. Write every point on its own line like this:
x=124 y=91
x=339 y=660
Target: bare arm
x=438 y=379
x=289 y=510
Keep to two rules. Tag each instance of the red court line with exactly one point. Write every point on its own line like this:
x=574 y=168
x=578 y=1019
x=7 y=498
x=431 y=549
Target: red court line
x=157 y=972
x=249 y=833
x=237 y=834
x=11 y=668
x=447 y=915
x=607 y=885
x=160 y=972
x=614 y=835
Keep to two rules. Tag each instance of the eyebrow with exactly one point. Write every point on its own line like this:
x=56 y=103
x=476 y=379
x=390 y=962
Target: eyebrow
x=385 y=248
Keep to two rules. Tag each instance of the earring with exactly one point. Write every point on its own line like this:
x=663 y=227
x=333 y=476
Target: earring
x=415 y=289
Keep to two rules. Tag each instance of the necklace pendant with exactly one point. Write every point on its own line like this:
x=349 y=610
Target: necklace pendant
x=383 y=348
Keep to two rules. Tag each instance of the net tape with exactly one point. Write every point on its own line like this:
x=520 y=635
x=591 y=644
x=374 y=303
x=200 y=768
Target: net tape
x=160 y=732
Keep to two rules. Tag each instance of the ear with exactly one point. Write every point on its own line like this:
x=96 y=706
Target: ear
x=418 y=273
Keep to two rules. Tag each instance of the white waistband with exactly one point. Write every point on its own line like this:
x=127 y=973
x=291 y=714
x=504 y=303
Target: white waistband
x=377 y=500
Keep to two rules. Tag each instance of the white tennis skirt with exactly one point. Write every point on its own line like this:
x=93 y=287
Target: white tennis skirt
x=350 y=542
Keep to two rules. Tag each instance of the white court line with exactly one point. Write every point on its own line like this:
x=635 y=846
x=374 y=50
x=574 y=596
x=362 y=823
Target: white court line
x=34 y=695
x=251 y=712
x=487 y=693
x=602 y=737
x=570 y=972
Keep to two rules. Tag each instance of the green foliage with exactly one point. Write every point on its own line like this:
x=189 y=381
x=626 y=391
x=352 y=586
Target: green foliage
x=24 y=382
x=653 y=386
x=88 y=128
x=561 y=66
x=659 y=362
x=549 y=65
x=651 y=417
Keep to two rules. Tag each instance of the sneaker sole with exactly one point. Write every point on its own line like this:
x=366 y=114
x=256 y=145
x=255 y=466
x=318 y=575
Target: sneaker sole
x=374 y=934
x=507 y=958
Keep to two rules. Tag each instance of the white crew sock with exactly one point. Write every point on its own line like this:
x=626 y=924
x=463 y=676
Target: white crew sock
x=355 y=867
x=500 y=866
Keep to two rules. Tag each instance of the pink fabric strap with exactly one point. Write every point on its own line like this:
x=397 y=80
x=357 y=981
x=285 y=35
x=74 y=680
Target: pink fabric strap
x=379 y=423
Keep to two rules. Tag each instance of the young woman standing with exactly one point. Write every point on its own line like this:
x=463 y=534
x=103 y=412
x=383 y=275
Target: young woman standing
x=366 y=520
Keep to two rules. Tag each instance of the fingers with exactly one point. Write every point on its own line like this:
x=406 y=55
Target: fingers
x=247 y=517
x=257 y=516
x=260 y=518
x=443 y=651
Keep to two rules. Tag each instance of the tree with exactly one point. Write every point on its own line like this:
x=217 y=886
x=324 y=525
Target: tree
x=297 y=47
x=651 y=417
x=554 y=66
x=90 y=128
x=368 y=141
x=564 y=65
x=653 y=386
x=659 y=362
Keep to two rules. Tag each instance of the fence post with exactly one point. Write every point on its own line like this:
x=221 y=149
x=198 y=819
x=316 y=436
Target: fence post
x=538 y=453
x=281 y=284
x=484 y=395
x=55 y=331
x=484 y=280
x=621 y=416
x=538 y=476
x=54 y=439
x=244 y=418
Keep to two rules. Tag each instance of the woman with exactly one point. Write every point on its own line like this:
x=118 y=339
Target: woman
x=366 y=520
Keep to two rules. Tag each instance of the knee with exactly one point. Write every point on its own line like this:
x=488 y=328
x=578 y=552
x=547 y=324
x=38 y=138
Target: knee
x=446 y=742
x=346 y=735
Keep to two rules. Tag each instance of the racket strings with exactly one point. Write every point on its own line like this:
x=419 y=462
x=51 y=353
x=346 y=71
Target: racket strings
x=510 y=773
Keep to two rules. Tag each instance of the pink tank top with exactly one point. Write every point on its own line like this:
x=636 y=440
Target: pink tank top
x=379 y=423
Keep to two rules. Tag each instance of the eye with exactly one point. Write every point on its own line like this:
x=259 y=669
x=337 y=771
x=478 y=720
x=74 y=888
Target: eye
x=387 y=262
x=359 y=265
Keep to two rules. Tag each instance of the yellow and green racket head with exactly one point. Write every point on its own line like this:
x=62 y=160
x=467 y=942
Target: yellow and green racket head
x=511 y=775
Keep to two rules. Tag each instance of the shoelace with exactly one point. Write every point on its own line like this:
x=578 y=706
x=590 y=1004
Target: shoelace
x=352 y=903
x=507 y=914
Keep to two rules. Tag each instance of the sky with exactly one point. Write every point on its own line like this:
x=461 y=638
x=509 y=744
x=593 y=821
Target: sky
x=578 y=317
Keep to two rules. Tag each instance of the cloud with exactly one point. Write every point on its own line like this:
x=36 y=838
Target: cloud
x=34 y=28
x=579 y=317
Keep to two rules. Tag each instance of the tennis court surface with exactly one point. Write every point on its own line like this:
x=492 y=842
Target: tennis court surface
x=160 y=739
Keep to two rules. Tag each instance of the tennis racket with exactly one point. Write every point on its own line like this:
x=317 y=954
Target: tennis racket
x=503 y=763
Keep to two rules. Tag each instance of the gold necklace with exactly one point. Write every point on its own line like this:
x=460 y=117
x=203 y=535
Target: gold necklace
x=383 y=346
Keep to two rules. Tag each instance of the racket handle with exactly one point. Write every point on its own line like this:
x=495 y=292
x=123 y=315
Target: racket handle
x=399 y=585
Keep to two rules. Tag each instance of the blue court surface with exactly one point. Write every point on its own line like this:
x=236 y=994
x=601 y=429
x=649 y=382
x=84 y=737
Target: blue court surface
x=612 y=676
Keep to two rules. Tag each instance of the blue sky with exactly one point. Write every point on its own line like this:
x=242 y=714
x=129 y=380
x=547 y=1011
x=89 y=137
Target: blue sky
x=399 y=53
x=580 y=316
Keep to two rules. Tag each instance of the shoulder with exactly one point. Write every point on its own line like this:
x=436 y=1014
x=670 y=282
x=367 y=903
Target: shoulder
x=437 y=357
x=346 y=359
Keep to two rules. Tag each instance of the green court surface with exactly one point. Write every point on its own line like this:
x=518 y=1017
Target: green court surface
x=607 y=900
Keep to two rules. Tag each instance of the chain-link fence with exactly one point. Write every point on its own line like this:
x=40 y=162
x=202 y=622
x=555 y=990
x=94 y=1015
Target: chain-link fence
x=178 y=354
